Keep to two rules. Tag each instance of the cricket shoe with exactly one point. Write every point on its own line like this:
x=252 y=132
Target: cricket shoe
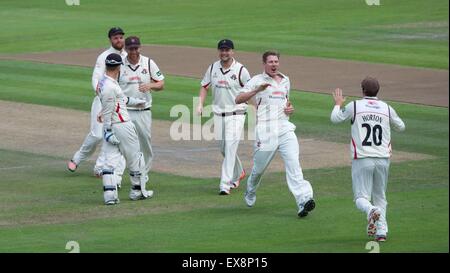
x=137 y=195
x=224 y=192
x=149 y=194
x=306 y=208
x=71 y=166
x=380 y=238
x=250 y=198
x=374 y=216
x=112 y=202
x=236 y=184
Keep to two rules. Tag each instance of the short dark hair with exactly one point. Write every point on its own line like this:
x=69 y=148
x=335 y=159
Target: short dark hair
x=111 y=68
x=270 y=53
x=370 y=86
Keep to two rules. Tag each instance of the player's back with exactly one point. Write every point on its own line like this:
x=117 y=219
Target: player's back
x=113 y=98
x=371 y=130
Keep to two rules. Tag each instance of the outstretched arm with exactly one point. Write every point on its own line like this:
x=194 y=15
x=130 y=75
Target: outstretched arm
x=339 y=115
x=244 y=97
x=396 y=121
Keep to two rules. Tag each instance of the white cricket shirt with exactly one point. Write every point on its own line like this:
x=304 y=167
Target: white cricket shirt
x=100 y=67
x=272 y=101
x=113 y=101
x=371 y=126
x=226 y=84
x=131 y=76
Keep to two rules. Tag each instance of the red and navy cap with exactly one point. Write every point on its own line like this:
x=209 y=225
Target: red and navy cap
x=132 y=41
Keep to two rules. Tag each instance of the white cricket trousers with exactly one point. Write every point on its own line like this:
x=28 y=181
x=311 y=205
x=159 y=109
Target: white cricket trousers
x=95 y=137
x=369 y=182
x=228 y=130
x=287 y=145
x=129 y=148
x=142 y=120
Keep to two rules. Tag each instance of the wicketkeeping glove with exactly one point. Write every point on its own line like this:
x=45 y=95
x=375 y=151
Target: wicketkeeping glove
x=109 y=136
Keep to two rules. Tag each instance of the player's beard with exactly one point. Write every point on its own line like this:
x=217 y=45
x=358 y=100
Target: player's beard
x=118 y=46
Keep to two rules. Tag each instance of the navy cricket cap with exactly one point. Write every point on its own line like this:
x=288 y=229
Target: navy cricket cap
x=114 y=31
x=132 y=41
x=225 y=43
x=113 y=59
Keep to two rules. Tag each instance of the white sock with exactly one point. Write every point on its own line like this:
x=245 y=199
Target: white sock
x=364 y=205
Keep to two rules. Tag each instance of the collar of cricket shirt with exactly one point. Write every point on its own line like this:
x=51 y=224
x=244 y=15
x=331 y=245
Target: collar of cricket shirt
x=229 y=68
x=268 y=77
x=370 y=98
x=127 y=62
x=120 y=52
x=110 y=78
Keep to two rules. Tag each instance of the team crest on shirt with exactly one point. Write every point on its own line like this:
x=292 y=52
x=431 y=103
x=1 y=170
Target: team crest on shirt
x=215 y=75
x=372 y=104
x=234 y=77
x=135 y=78
x=144 y=71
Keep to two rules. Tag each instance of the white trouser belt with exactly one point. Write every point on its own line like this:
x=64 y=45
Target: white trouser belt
x=143 y=109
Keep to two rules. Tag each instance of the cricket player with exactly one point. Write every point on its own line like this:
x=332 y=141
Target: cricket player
x=94 y=137
x=119 y=134
x=226 y=77
x=139 y=77
x=371 y=120
x=274 y=132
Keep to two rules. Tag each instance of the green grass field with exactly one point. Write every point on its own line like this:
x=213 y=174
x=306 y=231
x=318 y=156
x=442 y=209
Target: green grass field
x=43 y=206
x=69 y=87
x=49 y=206
x=407 y=32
